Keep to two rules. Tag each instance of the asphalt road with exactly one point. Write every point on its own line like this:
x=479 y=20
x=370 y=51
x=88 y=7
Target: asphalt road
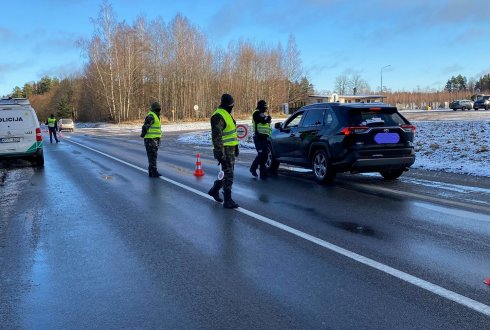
x=91 y=242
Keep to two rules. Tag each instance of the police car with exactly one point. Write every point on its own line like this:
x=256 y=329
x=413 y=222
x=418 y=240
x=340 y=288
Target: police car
x=20 y=132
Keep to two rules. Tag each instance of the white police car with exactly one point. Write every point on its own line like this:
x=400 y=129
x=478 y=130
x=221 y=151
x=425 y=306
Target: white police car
x=20 y=132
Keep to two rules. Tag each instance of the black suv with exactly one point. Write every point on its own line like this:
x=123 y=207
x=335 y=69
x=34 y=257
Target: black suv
x=339 y=137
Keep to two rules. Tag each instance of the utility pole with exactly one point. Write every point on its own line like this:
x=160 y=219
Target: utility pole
x=386 y=66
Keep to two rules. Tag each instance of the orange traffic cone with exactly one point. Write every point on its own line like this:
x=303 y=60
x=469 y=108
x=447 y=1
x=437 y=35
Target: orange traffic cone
x=487 y=281
x=198 y=171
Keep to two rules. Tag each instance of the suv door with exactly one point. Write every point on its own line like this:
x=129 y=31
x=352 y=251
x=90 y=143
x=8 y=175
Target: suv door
x=286 y=139
x=309 y=132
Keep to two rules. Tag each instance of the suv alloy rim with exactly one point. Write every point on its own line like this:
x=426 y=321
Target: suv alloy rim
x=320 y=165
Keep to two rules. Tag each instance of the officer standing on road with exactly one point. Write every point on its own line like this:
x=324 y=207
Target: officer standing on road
x=262 y=130
x=225 y=149
x=52 y=127
x=152 y=133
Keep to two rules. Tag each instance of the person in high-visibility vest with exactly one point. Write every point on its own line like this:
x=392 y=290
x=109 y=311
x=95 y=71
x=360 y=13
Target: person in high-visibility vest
x=225 y=149
x=52 y=127
x=262 y=130
x=152 y=133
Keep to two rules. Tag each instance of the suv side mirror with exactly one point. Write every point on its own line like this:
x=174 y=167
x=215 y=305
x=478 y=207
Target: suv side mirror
x=278 y=125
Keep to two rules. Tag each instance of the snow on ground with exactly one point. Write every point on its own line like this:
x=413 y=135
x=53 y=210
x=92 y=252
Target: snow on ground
x=453 y=146
x=449 y=146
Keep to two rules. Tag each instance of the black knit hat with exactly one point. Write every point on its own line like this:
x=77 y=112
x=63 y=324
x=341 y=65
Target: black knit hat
x=155 y=107
x=227 y=101
x=262 y=105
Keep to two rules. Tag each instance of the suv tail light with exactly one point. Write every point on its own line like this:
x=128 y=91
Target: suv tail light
x=353 y=130
x=408 y=128
x=39 y=136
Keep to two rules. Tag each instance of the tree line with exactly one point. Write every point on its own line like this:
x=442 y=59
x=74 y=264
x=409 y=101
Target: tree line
x=129 y=66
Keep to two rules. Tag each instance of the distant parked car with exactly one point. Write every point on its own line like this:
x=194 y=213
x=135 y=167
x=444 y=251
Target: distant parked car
x=482 y=102
x=461 y=104
x=66 y=125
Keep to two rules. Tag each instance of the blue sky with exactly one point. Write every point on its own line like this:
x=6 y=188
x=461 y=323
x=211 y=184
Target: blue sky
x=425 y=42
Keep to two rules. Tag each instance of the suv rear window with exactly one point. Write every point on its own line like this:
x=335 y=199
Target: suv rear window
x=368 y=117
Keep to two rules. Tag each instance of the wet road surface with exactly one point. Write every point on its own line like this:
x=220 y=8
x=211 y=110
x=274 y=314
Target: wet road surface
x=91 y=242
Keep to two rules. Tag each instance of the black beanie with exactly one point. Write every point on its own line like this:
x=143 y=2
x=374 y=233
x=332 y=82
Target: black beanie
x=227 y=101
x=262 y=105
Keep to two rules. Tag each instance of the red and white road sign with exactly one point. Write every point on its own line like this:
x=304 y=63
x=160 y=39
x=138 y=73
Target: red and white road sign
x=241 y=131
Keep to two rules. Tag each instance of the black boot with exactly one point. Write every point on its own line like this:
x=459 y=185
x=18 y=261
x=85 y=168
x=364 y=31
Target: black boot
x=214 y=191
x=229 y=203
x=253 y=168
x=263 y=172
x=153 y=174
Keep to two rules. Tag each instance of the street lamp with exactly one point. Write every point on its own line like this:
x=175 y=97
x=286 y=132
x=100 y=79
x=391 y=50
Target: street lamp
x=386 y=66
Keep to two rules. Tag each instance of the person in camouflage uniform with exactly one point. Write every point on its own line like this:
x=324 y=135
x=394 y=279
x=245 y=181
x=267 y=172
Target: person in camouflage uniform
x=152 y=133
x=225 y=149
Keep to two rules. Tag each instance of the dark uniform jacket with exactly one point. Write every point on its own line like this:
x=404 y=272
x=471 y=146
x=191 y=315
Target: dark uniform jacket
x=147 y=124
x=261 y=118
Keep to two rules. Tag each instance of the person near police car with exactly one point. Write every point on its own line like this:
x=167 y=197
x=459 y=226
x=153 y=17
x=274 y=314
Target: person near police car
x=151 y=131
x=225 y=149
x=262 y=130
x=52 y=127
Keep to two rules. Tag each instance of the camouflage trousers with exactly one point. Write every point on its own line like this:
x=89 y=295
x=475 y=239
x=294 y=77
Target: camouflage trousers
x=151 y=146
x=228 y=167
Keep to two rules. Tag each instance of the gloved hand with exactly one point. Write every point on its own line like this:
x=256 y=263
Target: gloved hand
x=268 y=119
x=219 y=155
x=237 y=151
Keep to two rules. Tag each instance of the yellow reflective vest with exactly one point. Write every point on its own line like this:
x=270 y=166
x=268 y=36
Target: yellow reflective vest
x=259 y=128
x=230 y=137
x=155 y=130
x=51 y=122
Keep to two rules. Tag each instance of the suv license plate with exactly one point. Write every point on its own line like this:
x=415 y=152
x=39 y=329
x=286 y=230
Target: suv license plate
x=10 y=140
x=382 y=138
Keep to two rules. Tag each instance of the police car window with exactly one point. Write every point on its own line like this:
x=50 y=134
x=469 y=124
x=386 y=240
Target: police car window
x=294 y=122
x=313 y=117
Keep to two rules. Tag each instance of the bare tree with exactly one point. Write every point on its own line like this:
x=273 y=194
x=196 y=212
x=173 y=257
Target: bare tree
x=341 y=84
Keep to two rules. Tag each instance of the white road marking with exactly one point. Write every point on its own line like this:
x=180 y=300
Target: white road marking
x=440 y=185
x=454 y=212
x=438 y=200
x=433 y=288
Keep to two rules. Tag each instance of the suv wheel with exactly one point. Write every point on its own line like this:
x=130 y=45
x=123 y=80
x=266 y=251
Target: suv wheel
x=391 y=174
x=272 y=164
x=321 y=167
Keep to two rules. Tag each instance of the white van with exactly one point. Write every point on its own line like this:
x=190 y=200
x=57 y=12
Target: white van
x=20 y=133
